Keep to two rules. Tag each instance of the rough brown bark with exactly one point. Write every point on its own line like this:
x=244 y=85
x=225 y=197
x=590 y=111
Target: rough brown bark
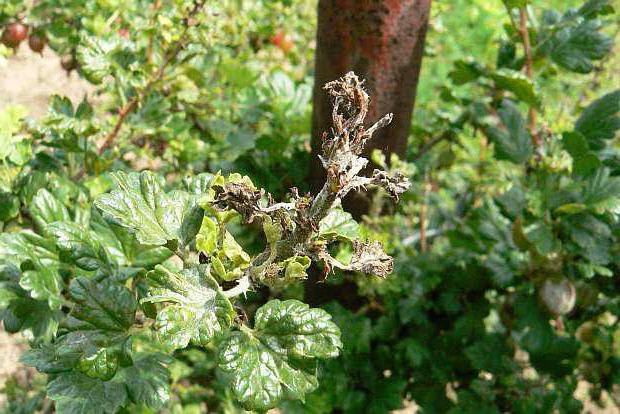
x=382 y=41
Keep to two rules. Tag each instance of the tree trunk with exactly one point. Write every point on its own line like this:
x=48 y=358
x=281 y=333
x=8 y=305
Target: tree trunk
x=382 y=41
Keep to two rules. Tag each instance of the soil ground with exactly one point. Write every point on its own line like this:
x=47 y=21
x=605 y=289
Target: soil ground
x=29 y=79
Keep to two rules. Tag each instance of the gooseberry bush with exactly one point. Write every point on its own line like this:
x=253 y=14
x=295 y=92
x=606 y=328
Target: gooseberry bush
x=105 y=285
x=144 y=259
x=157 y=236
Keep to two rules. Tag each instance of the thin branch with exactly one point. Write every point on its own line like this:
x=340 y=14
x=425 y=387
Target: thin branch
x=243 y=285
x=149 y=48
x=122 y=114
x=169 y=57
x=445 y=136
x=448 y=135
x=529 y=72
x=423 y=213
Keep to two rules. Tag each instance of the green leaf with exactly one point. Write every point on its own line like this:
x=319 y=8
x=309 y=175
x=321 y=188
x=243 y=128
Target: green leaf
x=358 y=333
x=9 y=284
x=261 y=378
x=507 y=56
x=95 y=353
x=22 y=152
x=147 y=380
x=123 y=247
x=99 y=58
x=9 y=206
x=230 y=260
x=293 y=328
x=276 y=359
x=515 y=4
x=592 y=235
x=387 y=394
x=206 y=240
x=61 y=106
x=586 y=164
x=52 y=359
x=100 y=359
x=519 y=84
x=239 y=75
x=191 y=225
x=273 y=231
x=199 y=184
x=593 y=8
x=27 y=246
x=22 y=313
x=491 y=353
x=465 y=71
x=339 y=224
x=570 y=208
x=95 y=340
x=512 y=141
x=584 y=160
x=600 y=120
x=78 y=246
x=543 y=238
x=43 y=284
x=548 y=352
x=575 y=143
x=139 y=203
x=199 y=311
x=36 y=254
x=233 y=251
x=295 y=267
x=33 y=318
x=602 y=192
x=532 y=320
x=576 y=47
x=105 y=305
x=45 y=209
x=10 y=124
x=28 y=186
x=241 y=140
x=76 y=393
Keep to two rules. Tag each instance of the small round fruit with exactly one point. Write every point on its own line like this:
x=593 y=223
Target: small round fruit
x=13 y=34
x=558 y=295
x=282 y=41
x=37 y=42
x=287 y=44
x=68 y=62
x=278 y=38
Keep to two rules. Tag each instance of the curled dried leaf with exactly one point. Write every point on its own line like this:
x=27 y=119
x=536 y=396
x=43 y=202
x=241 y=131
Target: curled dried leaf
x=370 y=258
x=349 y=113
x=240 y=197
x=395 y=184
